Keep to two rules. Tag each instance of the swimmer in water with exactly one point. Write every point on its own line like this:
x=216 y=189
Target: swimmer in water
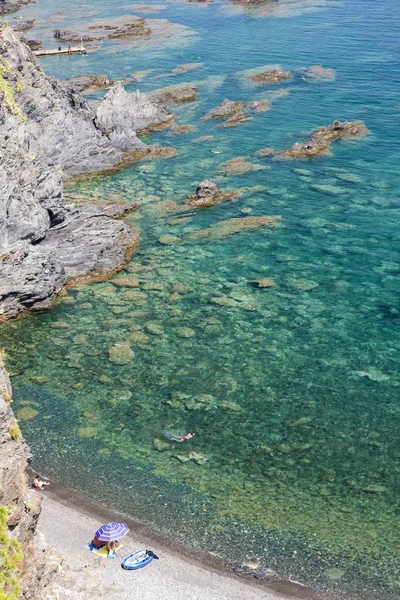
x=183 y=438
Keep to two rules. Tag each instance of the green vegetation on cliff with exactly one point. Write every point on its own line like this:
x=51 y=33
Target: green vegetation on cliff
x=10 y=560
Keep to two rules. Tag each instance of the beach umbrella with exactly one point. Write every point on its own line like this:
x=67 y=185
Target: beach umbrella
x=111 y=531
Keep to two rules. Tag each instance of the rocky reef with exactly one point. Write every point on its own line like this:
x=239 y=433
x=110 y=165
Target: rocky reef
x=48 y=134
x=319 y=142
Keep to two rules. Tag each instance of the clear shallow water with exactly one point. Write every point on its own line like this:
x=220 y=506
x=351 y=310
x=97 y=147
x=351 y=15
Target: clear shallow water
x=293 y=391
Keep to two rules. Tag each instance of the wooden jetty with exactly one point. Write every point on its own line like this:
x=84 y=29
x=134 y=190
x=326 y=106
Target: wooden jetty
x=56 y=51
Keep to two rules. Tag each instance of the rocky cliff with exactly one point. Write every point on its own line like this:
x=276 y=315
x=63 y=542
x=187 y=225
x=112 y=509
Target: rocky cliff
x=23 y=569
x=48 y=134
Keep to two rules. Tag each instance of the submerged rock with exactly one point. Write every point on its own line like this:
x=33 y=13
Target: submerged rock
x=180 y=69
x=318 y=72
x=232 y=226
x=121 y=354
x=238 y=166
x=373 y=374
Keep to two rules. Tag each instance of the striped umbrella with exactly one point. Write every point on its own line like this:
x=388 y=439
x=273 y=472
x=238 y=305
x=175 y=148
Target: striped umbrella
x=111 y=531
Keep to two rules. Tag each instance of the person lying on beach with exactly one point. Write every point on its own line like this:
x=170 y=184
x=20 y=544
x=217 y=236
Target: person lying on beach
x=39 y=483
x=97 y=543
x=112 y=548
x=183 y=438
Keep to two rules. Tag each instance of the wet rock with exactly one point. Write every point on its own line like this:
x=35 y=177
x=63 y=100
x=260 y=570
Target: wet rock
x=66 y=35
x=135 y=28
x=120 y=354
x=33 y=44
x=207 y=194
x=233 y=226
x=184 y=332
x=180 y=129
x=23 y=25
x=236 y=112
x=82 y=83
x=319 y=142
x=232 y=112
x=265 y=152
x=174 y=94
x=270 y=76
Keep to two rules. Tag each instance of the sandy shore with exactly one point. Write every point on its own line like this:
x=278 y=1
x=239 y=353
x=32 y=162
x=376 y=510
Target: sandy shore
x=68 y=528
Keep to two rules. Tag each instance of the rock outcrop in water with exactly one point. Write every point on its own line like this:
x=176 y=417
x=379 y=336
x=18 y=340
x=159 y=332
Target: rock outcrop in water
x=133 y=28
x=207 y=194
x=234 y=113
x=270 y=76
x=8 y=6
x=81 y=83
x=319 y=142
x=48 y=134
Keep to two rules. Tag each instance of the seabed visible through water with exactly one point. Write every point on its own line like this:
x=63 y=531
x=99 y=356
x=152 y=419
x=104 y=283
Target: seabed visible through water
x=292 y=390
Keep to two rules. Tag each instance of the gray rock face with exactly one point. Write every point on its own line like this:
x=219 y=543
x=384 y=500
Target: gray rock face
x=48 y=134
x=121 y=114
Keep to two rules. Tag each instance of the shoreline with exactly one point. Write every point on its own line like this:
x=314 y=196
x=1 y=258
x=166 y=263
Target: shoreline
x=61 y=504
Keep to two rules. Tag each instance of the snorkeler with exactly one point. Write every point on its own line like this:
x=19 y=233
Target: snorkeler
x=183 y=438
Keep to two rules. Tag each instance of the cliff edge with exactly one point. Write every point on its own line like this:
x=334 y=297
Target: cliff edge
x=47 y=135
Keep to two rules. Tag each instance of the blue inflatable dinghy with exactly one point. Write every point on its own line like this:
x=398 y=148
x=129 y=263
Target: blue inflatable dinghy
x=138 y=559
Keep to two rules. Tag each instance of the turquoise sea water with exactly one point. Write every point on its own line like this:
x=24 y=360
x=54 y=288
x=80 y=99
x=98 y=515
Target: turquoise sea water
x=293 y=391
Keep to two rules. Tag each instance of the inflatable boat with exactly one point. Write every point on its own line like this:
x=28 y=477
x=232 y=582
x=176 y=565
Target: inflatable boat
x=138 y=559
